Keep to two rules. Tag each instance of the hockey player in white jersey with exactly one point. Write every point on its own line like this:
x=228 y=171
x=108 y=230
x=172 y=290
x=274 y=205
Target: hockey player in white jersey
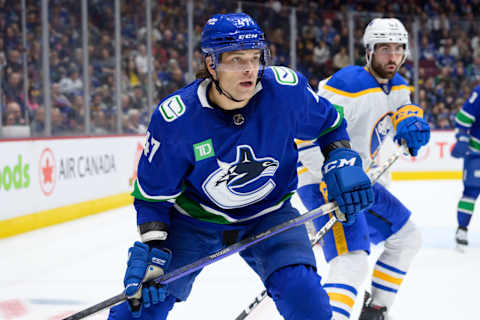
x=375 y=100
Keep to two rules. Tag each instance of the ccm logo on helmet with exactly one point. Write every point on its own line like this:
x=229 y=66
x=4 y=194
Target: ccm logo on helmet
x=338 y=164
x=247 y=36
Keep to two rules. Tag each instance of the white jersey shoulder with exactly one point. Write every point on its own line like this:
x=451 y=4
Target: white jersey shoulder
x=367 y=107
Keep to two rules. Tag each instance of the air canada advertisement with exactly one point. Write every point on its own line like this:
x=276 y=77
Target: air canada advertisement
x=43 y=174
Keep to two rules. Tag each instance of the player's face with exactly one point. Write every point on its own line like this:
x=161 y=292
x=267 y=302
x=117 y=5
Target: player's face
x=237 y=72
x=387 y=59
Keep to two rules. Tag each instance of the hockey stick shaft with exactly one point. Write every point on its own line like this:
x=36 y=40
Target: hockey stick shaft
x=324 y=230
x=201 y=263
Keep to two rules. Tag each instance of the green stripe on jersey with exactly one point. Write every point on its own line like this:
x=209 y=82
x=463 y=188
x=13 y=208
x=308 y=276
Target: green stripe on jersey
x=464 y=118
x=137 y=193
x=195 y=210
x=337 y=122
x=202 y=212
x=474 y=144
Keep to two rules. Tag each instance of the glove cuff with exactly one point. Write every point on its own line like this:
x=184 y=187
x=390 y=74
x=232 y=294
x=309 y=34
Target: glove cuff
x=341 y=144
x=406 y=111
x=153 y=231
x=159 y=244
x=463 y=137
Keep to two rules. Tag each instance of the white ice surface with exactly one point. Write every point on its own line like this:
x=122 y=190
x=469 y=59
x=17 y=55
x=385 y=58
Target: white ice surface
x=46 y=274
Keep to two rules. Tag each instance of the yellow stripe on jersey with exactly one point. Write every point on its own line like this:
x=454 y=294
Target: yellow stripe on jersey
x=351 y=94
x=339 y=237
x=362 y=92
x=383 y=276
x=301 y=170
x=342 y=298
x=403 y=87
x=298 y=141
x=303 y=143
x=324 y=191
x=337 y=229
x=406 y=111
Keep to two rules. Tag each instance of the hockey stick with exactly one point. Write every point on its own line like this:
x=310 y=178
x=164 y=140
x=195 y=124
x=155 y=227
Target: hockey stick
x=228 y=251
x=324 y=230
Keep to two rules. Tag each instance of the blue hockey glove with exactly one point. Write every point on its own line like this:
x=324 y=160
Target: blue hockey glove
x=461 y=147
x=410 y=127
x=145 y=265
x=347 y=183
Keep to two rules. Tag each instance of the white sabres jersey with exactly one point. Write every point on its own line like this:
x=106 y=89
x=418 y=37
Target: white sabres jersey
x=368 y=108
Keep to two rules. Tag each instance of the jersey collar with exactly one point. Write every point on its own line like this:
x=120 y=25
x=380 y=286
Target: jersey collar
x=386 y=87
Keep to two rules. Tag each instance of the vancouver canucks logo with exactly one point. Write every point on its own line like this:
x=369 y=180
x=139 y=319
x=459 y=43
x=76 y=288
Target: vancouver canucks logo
x=242 y=182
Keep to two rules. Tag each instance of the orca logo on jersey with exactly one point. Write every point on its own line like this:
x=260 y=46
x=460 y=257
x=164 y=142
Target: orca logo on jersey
x=242 y=182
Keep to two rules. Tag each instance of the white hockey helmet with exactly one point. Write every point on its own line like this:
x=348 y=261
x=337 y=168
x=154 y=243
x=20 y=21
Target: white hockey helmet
x=384 y=30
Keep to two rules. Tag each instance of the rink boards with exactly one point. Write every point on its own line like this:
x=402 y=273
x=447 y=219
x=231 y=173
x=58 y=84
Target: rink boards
x=48 y=181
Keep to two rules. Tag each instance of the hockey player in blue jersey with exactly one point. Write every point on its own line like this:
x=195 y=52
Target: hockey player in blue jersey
x=219 y=165
x=376 y=103
x=467 y=127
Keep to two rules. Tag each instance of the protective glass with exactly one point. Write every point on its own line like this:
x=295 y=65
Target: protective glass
x=241 y=61
x=386 y=50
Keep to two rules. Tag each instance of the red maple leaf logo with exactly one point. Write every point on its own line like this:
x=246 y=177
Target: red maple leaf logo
x=47 y=172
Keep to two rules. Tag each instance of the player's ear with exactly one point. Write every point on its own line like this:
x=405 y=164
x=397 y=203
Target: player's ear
x=210 y=67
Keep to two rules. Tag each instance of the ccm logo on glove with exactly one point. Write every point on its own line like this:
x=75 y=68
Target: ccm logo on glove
x=338 y=164
x=159 y=261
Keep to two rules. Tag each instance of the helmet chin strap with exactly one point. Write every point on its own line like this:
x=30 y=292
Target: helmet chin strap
x=225 y=93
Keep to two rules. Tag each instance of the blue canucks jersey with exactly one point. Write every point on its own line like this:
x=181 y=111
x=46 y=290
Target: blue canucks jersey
x=230 y=166
x=467 y=119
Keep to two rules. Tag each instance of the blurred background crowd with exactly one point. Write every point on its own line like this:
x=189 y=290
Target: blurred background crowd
x=315 y=37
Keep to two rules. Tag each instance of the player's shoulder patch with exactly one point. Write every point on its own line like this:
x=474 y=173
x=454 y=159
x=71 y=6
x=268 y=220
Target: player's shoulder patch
x=285 y=75
x=172 y=108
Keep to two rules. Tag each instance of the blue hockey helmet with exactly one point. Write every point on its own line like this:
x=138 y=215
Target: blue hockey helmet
x=232 y=32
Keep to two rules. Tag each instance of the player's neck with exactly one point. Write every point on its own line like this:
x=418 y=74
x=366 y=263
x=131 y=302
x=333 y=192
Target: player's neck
x=377 y=77
x=223 y=102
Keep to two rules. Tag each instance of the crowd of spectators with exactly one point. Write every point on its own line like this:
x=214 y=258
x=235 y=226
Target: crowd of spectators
x=449 y=54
